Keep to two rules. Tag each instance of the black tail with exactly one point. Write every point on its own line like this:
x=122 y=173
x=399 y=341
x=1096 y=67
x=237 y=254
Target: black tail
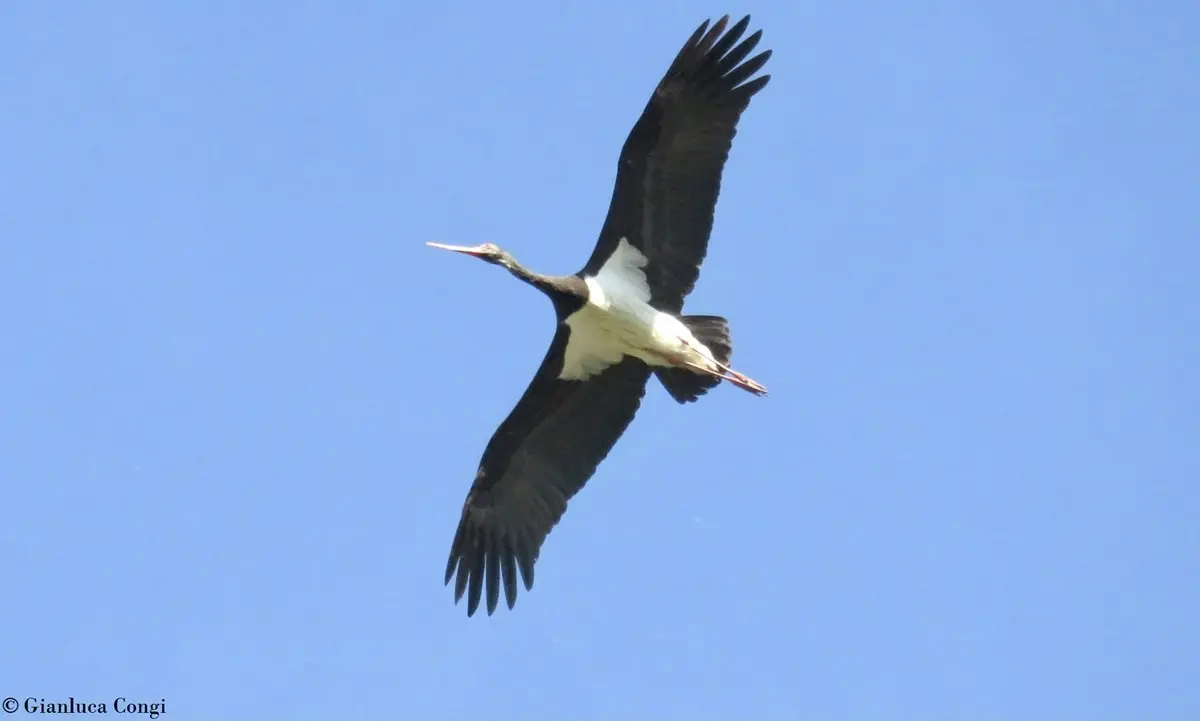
x=713 y=331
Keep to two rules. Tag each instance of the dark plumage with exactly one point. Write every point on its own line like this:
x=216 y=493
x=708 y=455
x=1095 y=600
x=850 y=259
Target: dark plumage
x=670 y=168
x=666 y=189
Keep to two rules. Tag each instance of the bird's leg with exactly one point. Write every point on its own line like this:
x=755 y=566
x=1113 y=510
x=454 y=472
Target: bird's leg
x=733 y=377
x=747 y=383
x=725 y=372
x=744 y=382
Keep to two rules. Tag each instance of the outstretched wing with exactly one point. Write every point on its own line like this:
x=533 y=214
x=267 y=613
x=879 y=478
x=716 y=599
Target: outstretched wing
x=540 y=456
x=669 y=175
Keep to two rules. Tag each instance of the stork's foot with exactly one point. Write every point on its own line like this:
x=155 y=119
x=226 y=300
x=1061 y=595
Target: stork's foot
x=746 y=383
x=726 y=373
x=739 y=380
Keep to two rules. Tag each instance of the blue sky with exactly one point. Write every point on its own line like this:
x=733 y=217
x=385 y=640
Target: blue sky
x=241 y=402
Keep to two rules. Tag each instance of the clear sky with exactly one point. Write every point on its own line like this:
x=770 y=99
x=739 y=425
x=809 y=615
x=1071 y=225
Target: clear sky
x=241 y=402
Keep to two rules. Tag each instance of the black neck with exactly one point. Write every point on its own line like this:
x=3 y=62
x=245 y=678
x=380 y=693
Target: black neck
x=567 y=292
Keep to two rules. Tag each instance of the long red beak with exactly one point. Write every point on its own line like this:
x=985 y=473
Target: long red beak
x=474 y=251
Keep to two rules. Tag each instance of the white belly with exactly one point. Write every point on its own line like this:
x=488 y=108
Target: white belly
x=618 y=321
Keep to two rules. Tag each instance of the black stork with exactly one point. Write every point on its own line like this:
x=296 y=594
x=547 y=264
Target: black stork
x=619 y=318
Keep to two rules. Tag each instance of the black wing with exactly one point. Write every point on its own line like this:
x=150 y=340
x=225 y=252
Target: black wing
x=540 y=456
x=669 y=175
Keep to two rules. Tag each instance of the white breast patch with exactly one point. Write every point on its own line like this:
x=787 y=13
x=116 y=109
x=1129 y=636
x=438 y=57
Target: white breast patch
x=619 y=321
x=604 y=329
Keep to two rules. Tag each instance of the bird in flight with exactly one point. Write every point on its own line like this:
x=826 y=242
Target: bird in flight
x=619 y=319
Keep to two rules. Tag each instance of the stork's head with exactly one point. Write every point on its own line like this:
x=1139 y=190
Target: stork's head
x=488 y=252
